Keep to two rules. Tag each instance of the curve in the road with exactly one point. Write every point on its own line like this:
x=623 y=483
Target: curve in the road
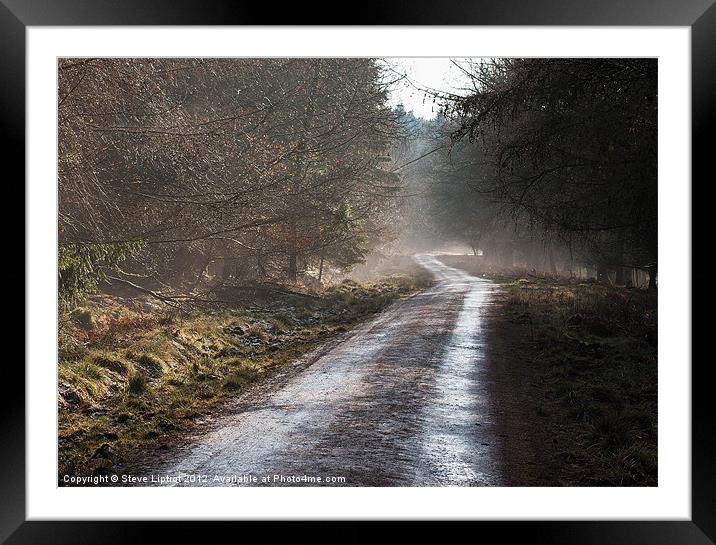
x=404 y=401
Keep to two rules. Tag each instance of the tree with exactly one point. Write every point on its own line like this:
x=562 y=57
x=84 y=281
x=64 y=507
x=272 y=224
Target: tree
x=569 y=145
x=238 y=162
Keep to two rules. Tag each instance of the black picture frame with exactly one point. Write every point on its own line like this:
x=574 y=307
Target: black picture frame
x=699 y=15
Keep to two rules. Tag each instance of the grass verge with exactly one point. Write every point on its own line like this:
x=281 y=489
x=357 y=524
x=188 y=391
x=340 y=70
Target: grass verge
x=593 y=352
x=133 y=380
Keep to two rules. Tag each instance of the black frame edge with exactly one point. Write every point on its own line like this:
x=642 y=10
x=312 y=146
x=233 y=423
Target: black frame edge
x=703 y=116
x=12 y=417
x=371 y=12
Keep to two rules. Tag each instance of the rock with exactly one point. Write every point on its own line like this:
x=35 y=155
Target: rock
x=109 y=436
x=69 y=395
x=235 y=330
x=166 y=426
x=103 y=452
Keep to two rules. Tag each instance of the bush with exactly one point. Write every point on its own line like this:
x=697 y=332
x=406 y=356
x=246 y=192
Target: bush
x=80 y=267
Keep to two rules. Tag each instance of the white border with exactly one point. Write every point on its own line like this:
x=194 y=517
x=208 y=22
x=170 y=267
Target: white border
x=670 y=500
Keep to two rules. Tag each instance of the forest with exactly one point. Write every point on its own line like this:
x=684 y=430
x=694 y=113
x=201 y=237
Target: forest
x=180 y=175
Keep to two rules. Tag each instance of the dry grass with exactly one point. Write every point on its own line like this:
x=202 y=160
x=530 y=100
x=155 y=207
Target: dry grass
x=136 y=381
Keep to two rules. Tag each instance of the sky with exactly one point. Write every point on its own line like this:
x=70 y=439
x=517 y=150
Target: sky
x=425 y=72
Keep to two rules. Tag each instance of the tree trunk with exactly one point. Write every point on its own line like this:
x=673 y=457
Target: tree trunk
x=628 y=277
x=207 y=262
x=619 y=259
x=320 y=271
x=260 y=266
x=602 y=273
x=292 y=255
x=619 y=277
x=652 y=276
x=552 y=264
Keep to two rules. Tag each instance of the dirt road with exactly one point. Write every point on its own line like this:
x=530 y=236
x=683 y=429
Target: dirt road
x=403 y=400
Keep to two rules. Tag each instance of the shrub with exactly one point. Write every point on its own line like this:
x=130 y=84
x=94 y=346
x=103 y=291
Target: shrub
x=80 y=267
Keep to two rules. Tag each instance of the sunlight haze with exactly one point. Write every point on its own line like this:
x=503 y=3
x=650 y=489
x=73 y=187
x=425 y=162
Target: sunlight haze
x=425 y=73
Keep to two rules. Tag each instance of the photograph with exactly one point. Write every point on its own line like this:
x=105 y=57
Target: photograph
x=357 y=271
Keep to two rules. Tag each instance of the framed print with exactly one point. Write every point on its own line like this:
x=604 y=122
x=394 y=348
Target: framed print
x=434 y=266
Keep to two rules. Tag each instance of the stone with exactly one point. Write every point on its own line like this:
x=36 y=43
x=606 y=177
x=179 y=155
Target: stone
x=103 y=452
x=69 y=395
x=236 y=330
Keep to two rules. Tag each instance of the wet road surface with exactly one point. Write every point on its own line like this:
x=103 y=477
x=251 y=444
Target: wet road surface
x=403 y=400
